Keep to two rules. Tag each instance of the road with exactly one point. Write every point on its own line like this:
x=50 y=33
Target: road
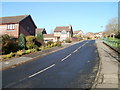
x=72 y=67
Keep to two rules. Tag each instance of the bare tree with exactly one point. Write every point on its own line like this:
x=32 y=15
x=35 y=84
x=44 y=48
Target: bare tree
x=112 y=27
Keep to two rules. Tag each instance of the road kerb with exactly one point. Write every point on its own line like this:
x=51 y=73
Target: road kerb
x=99 y=69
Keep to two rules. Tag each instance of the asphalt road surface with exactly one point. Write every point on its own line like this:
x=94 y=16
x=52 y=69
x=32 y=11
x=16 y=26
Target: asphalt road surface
x=72 y=67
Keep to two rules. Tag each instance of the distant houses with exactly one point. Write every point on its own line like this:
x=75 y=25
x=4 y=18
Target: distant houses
x=15 y=25
x=78 y=33
x=60 y=33
x=40 y=30
x=63 y=32
x=98 y=35
x=89 y=35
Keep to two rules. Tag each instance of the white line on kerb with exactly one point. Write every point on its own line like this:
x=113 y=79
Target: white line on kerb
x=42 y=71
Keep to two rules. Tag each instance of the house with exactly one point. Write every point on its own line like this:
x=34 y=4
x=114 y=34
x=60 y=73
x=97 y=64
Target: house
x=90 y=35
x=63 y=32
x=78 y=33
x=60 y=33
x=98 y=35
x=15 y=25
x=40 y=30
x=49 y=37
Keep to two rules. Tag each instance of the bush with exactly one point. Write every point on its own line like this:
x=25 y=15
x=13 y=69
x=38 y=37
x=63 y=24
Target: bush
x=59 y=43
x=43 y=48
x=55 y=44
x=30 y=45
x=40 y=36
x=52 y=45
x=35 y=46
x=49 y=46
x=22 y=41
x=27 y=51
x=30 y=38
x=33 y=50
x=9 y=46
x=32 y=42
x=49 y=43
x=20 y=52
x=5 y=38
x=8 y=55
x=68 y=41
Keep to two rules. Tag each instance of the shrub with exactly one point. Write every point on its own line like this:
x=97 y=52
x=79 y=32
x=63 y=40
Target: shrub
x=32 y=42
x=8 y=55
x=22 y=41
x=40 y=36
x=68 y=41
x=55 y=44
x=43 y=48
x=59 y=43
x=30 y=45
x=49 y=43
x=27 y=51
x=33 y=50
x=30 y=38
x=39 y=43
x=35 y=46
x=49 y=46
x=52 y=45
x=5 y=38
x=9 y=46
x=20 y=53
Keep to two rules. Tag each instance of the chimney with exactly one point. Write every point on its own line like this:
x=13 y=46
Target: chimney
x=70 y=26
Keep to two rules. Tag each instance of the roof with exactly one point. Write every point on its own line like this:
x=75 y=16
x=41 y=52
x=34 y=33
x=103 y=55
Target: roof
x=12 y=19
x=48 y=35
x=76 y=32
x=61 y=28
x=40 y=30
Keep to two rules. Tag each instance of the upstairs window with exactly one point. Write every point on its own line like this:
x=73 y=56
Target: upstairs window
x=11 y=26
x=63 y=32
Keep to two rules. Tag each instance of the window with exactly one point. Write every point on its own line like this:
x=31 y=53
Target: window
x=28 y=28
x=63 y=32
x=10 y=26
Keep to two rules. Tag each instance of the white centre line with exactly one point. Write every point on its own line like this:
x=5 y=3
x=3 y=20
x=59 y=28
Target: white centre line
x=66 y=57
x=41 y=71
x=74 y=51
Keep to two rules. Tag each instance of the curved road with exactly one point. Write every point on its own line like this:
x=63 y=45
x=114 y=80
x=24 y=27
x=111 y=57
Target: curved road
x=72 y=67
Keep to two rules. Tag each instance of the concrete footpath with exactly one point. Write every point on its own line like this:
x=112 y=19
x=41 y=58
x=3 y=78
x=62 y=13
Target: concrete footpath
x=108 y=73
x=13 y=62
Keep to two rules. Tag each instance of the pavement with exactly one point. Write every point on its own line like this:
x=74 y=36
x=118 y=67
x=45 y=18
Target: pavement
x=108 y=76
x=13 y=62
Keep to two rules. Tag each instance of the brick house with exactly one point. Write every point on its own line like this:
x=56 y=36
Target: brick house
x=40 y=30
x=15 y=25
x=63 y=32
x=98 y=35
x=60 y=33
x=90 y=35
x=78 y=33
x=49 y=37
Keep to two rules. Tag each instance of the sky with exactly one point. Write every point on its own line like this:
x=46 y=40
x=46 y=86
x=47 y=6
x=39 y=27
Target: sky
x=86 y=16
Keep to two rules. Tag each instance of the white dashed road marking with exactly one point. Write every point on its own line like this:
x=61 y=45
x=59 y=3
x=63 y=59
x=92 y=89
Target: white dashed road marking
x=74 y=52
x=41 y=71
x=66 y=57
